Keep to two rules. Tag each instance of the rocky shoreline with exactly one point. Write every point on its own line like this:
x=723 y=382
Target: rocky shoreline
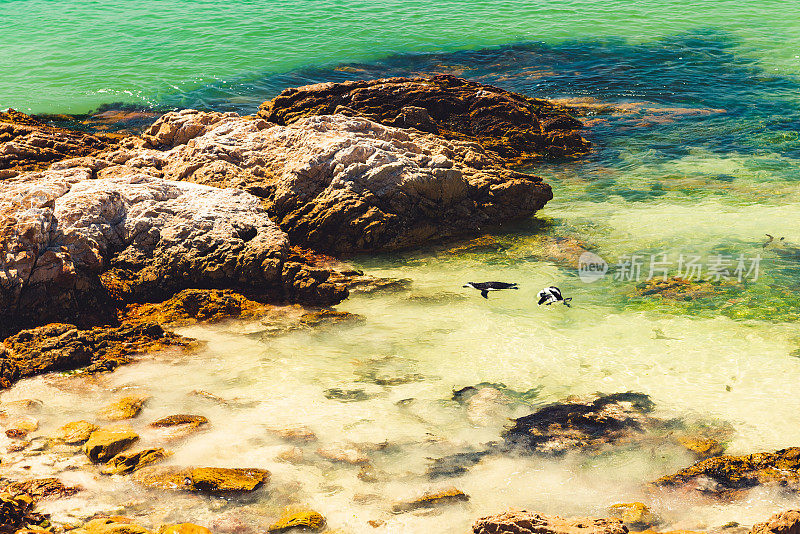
x=106 y=240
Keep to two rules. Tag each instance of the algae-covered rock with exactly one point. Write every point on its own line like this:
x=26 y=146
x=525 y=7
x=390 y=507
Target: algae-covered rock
x=106 y=443
x=16 y=511
x=635 y=515
x=196 y=305
x=128 y=462
x=787 y=522
x=729 y=476
x=431 y=499
x=215 y=480
x=75 y=432
x=125 y=408
x=298 y=517
x=562 y=427
x=41 y=488
x=523 y=522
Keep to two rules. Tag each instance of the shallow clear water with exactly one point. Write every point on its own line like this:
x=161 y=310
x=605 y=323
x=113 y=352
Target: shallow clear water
x=704 y=162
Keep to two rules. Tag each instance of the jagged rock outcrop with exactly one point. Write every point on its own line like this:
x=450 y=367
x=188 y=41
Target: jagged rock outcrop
x=730 y=476
x=213 y=480
x=562 y=427
x=522 y=522
x=335 y=183
x=27 y=144
x=515 y=127
x=63 y=347
x=74 y=247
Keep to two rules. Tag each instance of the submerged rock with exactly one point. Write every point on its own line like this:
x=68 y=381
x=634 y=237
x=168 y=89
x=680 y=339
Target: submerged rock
x=341 y=184
x=20 y=427
x=730 y=476
x=183 y=528
x=108 y=525
x=214 y=480
x=787 y=522
x=179 y=420
x=430 y=500
x=106 y=443
x=343 y=453
x=17 y=512
x=298 y=517
x=75 y=433
x=702 y=447
x=682 y=289
x=27 y=144
x=523 y=522
x=513 y=126
x=125 y=408
x=562 y=427
x=128 y=462
x=635 y=515
x=64 y=347
x=78 y=247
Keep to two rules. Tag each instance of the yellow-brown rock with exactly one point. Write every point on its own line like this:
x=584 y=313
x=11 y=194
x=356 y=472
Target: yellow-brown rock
x=128 y=462
x=524 y=522
x=106 y=443
x=298 y=517
x=41 y=488
x=125 y=408
x=787 y=522
x=183 y=528
x=215 y=480
x=17 y=512
x=196 y=305
x=729 y=476
x=431 y=499
x=75 y=433
x=179 y=420
x=702 y=447
x=19 y=427
x=635 y=515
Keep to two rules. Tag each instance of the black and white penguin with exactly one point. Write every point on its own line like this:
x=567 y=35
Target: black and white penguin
x=551 y=295
x=485 y=287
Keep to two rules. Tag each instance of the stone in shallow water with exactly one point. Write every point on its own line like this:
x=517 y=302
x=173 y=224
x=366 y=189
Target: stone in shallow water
x=295 y=433
x=343 y=453
x=17 y=511
x=41 y=488
x=298 y=517
x=106 y=443
x=183 y=528
x=730 y=476
x=110 y=526
x=702 y=447
x=523 y=522
x=431 y=499
x=19 y=427
x=196 y=305
x=125 y=408
x=179 y=419
x=214 y=480
x=635 y=515
x=75 y=433
x=128 y=462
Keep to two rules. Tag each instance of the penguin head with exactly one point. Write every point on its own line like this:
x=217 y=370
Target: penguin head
x=469 y=284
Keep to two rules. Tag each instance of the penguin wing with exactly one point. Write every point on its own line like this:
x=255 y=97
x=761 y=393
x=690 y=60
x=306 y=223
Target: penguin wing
x=542 y=299
x=485 y=294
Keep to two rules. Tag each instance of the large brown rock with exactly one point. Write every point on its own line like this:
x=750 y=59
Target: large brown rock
x=787 y=522
x=41 y=488
x=522 y=522
x=337 y=183
x=74 y=247
x=64 y=347
x=106 y=443
x=730 y=476
x=513 y=126
x=27 y=144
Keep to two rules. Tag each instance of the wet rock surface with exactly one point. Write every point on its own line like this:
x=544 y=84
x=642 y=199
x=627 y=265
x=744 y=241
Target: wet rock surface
x=298 y=518
x=75 y=433
x=522 y=522
x=430 y=500
x=27 y=144
x=214 y=480
x=64 y=347
x=128 y=462
x=106 y=443
x=17 y=512
x=41 y=488
x=730 y=476
x=195 y=305
x=513 y=126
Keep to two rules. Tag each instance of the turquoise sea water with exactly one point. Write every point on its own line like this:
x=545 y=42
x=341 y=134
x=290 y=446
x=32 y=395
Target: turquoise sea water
x=700 y=156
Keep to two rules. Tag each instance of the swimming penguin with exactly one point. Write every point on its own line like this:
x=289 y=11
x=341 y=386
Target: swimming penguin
x=770 y=240
x=485 y=287
x=551 y=295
